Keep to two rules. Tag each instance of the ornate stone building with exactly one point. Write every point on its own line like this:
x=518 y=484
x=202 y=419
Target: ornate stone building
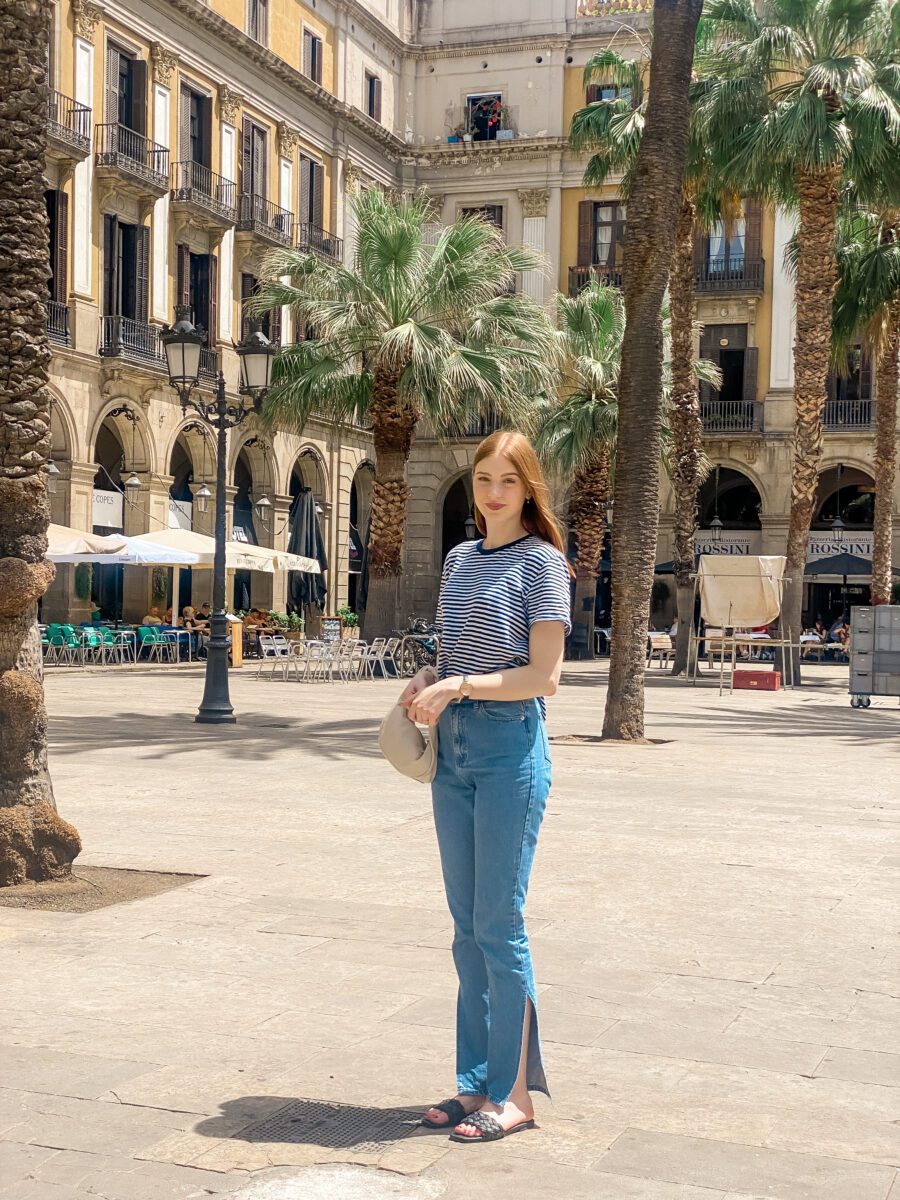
x=189 y=136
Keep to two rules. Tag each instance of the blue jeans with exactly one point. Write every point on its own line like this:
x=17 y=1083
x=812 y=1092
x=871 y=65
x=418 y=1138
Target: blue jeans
x=489 y=795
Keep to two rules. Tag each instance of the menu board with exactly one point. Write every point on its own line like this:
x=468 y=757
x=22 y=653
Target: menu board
x=331 y=629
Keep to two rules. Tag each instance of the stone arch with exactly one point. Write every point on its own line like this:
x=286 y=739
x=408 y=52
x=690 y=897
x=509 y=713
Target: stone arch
x=65 y=446
x=848 y=491
x=309 y=469
x=261 y=460
x=136 y=439
x=455 y=508
x=741 y=499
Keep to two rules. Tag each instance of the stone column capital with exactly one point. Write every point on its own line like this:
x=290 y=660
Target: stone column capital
x=534 y=201
x=87 y=16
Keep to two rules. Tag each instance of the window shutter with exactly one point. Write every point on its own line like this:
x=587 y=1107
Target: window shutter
x=112 y=85
x=110 y=264
x=305 y=165
x=376 y=104
x=592 y=95
x=264 y=21
x=184 y=124
x=247 y=285
x=585 y=233
x=865 y=377
x=317 y=189
x=183 y=276
x=212 y=323
x=260 y=164
x=701 y=251
x=142 y=275
x=275 y=326
x=61 y=249
x=751 y=366
x=247 y=156
x=752 y=230
x=139 y=101
x=307 y=54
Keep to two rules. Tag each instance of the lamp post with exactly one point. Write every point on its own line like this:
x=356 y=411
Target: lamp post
x=182 y=343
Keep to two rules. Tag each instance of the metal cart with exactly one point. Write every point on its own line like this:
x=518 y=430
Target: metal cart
x=874 y=653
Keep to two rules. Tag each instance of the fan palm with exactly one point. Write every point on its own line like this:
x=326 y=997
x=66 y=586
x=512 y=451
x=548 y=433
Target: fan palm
x=411 y=331
x=867 y=308
x=808 y=96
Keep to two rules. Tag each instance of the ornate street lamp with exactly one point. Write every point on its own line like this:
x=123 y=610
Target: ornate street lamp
x=202 y=497
x=182 y=343
x=471 y=528
x=52 y=476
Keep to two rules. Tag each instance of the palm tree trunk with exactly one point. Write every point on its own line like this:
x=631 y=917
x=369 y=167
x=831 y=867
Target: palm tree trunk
x=818 y=202
x=587 y=513
x=35 y=843
x=885 y=460
x=393 y=427
x=687 y=427
x=653 y=205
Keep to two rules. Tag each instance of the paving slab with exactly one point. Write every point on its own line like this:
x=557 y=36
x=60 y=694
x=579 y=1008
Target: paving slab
x=713 y=921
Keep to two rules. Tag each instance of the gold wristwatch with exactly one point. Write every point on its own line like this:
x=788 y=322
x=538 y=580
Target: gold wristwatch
x=465 y=690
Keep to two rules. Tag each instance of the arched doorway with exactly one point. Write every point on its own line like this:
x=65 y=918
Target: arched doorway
x=360 y=510
x=181 y=516
x=243 y=528
x=844 y=515
x=457 y=508
x=104 y=584
x=309 y=533
x=728 y=513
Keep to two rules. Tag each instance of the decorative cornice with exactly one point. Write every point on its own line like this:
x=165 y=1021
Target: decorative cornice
x=164 y=63
x=87 y=17
x=287 y=140
x=230 y=103
x=486 y=155
x=534 y=201
x=497 y=46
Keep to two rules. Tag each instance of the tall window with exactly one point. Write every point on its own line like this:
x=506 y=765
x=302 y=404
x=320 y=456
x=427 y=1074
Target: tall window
x=271 y=321
x=484 y=116
x=312 y=192
x=254 y=160
x=373 y=96
x=195 y=131
x=606 y=91
x=489 y=212
x=258 y=20
x=312 y=56
x=58 y=216
x=126 y=90
x=609 y=234
x=727 y=241
x=126 y=261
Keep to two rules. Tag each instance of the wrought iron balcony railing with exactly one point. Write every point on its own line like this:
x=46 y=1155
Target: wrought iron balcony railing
x=209 y=363
x=58 y=322
x=122 y=337
x=260 y=216
x=478 y=427
x=580 y=277
x=192 y=183
x=69 y=122
x=731 y=416
x=735 y=274
x=310 y=237
x=134 y=155
x=848 y=414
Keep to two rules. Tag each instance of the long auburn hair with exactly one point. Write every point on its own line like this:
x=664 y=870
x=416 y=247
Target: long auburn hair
x=537 y=513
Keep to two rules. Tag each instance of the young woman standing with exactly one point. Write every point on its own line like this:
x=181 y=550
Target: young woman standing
x=504 y=614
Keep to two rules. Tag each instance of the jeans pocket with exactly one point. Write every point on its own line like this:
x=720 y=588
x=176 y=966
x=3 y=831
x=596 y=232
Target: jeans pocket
x=503 y=710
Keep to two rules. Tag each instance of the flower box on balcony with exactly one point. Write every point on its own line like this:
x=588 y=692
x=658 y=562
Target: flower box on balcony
x=505 y=135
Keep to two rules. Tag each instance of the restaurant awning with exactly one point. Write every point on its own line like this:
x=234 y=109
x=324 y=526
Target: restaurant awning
x=239 y=556
x=75 y=546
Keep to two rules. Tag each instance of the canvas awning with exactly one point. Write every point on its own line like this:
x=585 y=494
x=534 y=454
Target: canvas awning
x=239 y=556
x=75 y=546
x=742 y=591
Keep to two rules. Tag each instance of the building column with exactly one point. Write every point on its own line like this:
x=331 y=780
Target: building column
x=287 y=140
x=534 y=236
x=229 y=104
x=83 y=308
x=163 y=67
x=281 y=508
x=784 y=317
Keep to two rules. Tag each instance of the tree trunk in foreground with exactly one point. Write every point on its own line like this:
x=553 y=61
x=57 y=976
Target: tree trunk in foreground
x=687 y=427
x=587 y=515
x=653 y=206
x=885 y=460
x=35 y=843
x=818 y=202
x=393 y=427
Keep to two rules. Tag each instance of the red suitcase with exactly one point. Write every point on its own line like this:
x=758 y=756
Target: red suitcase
x=758 y=681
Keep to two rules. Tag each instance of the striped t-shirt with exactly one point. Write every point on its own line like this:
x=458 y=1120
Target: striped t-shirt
x=490 y=599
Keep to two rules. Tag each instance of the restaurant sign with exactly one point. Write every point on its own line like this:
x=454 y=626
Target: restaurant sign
x=727 y=542
x=181 y=514
x=108 y=509
x=824 y=545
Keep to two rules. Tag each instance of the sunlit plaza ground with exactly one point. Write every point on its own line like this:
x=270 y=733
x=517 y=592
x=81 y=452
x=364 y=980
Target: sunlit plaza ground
x=714 y=919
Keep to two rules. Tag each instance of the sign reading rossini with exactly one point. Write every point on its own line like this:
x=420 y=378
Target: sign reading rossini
x=821 y=544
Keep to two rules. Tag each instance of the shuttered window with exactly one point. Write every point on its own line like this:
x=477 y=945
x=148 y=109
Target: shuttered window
x=254 y=159
x=312 y=191
x=126 y=90
x=126 y=269
x=258 y=20
x=194 y=126
x=312 y=56
x=58 y=217
x=373 y=96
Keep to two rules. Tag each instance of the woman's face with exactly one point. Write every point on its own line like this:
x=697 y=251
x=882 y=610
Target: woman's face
x=498 y=488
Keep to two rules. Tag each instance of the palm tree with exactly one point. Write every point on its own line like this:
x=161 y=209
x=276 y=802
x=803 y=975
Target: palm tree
x=808 y=95
x=35 y=843
x=612 y=129
x=412 y=330
x=867 y=307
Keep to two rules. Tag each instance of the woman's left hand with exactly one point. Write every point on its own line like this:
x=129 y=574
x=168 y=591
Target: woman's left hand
x=427 y=705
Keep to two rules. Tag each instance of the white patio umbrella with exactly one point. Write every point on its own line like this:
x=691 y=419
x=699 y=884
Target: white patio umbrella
x=75 y=546
x=239 y=556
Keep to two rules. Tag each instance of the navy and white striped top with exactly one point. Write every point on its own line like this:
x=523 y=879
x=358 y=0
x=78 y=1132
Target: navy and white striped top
x=490 y=599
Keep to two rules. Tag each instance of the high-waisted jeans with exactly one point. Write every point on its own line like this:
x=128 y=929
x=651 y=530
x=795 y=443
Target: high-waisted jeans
x=489 y=795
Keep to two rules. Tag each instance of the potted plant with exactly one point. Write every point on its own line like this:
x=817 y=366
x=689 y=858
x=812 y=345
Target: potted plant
x=350 y=626
x=295 y=631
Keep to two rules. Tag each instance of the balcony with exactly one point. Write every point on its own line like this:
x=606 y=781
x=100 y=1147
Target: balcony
x=264 y=220
x=206 y=198
x=58 y=323
x=68 y=128
x=121 y=337
x=210 y=364
x=316 y=241
x=131 y=162
x=840 y=415
x=477 y=427
x=730 y=275
x=722 y=417
x=580 y=277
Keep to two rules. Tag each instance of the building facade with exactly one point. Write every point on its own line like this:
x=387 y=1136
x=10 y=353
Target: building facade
x=187 y=137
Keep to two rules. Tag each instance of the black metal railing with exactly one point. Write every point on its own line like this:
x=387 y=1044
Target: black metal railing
x=192 y=183
x=68 y=121
x=260 y=216
x=58 y=322
x=133 y=154
x=848 y=414
x=580 y=277
x=733 y=274
x=478 y=427
x=209 y=363
x=731 y=416
x=123 y=337
x=310 y=237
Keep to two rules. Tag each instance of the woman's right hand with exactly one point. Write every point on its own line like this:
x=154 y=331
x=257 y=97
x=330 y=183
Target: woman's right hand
x=419 y=682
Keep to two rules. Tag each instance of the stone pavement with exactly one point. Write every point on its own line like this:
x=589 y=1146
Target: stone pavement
x=714 y=919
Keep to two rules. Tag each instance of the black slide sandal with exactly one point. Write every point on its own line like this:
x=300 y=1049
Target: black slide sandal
x=490 y=1128
x=455 y=1114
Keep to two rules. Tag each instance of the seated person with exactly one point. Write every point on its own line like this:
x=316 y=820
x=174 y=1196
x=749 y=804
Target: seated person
x=152 y=617
x=196 y=628
x=837 y=631
x=204 y=612
x=167 y=619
